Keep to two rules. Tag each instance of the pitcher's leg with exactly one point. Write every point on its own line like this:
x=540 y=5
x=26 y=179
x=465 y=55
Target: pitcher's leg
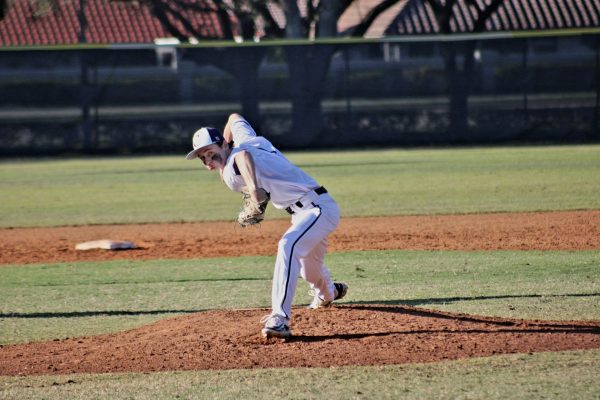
x=307 y=230
x=315 y=272
x=285 y=278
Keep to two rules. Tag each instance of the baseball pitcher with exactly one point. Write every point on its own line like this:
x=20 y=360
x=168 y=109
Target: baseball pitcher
x=250 y=164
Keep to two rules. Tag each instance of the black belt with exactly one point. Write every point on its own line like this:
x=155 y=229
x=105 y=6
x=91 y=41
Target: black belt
x=320 y=190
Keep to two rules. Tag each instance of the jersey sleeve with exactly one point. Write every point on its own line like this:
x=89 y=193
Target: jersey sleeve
x=242 y=131
x=231 y=175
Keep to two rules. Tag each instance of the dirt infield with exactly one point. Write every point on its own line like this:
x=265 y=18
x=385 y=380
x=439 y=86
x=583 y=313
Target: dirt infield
x=566 y=230
x=354 y=334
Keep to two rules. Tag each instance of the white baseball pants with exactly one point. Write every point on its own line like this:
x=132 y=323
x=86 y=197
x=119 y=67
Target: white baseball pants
x=302 y=252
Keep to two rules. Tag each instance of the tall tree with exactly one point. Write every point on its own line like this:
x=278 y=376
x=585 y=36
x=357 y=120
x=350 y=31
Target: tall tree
x=459 y=77
x=308 y=65
x=237 y=18
x=87 y=87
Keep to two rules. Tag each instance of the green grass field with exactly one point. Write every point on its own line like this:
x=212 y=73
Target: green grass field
x=561 y=375
x=89 y=298
x=388 y=182
x=97 y=297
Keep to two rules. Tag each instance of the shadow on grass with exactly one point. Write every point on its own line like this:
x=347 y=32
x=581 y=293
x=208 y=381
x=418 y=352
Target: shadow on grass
x=595 y=330
x=151 y=282
x=80 y=314
x=446 y=300
x=421 y=312
x=495 y=325
x=413 y=304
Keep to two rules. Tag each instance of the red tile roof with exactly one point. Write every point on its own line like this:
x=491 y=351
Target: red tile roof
x=107 y=22
x=512 y=15
x=417 y=17
x=110 y=22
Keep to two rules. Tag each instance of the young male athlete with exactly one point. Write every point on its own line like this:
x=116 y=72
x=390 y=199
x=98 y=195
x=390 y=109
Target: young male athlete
x=251 y=163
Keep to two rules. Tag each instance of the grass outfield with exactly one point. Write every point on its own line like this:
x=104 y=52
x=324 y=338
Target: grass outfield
x=92 y=298
x=387 y=182
x=561 y=375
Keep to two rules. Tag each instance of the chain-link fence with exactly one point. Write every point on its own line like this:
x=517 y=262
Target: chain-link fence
x=392 y=92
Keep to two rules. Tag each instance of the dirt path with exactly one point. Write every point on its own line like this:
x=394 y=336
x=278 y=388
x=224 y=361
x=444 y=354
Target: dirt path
x=355 y=334
x=566 y=230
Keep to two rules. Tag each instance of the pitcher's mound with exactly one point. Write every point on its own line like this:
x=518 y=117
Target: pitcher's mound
x=369 y=334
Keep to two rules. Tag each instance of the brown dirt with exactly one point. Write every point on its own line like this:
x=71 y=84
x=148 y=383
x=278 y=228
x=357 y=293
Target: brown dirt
x=367 y=334
x=565 y=230
x=344 y=335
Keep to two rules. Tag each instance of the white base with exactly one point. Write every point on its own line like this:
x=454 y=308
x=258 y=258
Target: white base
x=105 y=244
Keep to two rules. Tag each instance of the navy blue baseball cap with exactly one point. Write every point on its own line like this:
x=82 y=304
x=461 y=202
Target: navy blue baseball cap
x=202 y=138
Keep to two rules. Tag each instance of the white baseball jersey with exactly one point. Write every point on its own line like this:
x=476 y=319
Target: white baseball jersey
x=301 y=250
x=285 y=182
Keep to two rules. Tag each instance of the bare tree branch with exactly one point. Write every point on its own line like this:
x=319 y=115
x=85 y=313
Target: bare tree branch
x=436 y=6
x=162 y=12
x=311 y=11
x=271 y=26
x=224 y=19
x=162 y=9
x=3 y=9
x=366 y=23
x=444 y=13
x=295 y=27
x=484 y=15
x=344 y=4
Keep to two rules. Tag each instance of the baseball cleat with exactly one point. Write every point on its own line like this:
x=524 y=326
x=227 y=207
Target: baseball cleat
x=275 y=326
x=340 y=290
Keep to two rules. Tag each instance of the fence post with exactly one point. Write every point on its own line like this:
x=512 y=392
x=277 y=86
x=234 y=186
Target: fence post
x=596 y=127
x=86 y=121
x=347 y=88
x=525 y=83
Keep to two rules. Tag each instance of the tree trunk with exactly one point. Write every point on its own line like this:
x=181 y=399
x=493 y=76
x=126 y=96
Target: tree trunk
x=308 y=67
x=458 y=78
x=244 y=66
x=85 y=99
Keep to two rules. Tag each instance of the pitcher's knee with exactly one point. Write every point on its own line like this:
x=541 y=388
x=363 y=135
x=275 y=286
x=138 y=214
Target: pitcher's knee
x=284 y=245
x=293 y=245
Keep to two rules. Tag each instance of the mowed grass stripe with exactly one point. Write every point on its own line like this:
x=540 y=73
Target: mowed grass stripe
x=74 y=299
x=365 y=183
x=561 y=375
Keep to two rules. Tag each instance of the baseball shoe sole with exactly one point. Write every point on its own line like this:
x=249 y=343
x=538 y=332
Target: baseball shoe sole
x=282 y=332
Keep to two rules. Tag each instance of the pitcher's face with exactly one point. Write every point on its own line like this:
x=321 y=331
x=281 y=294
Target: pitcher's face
x=213 y=156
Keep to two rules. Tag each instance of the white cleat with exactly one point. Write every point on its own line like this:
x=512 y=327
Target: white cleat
x=275 y=326
x=340 y=291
